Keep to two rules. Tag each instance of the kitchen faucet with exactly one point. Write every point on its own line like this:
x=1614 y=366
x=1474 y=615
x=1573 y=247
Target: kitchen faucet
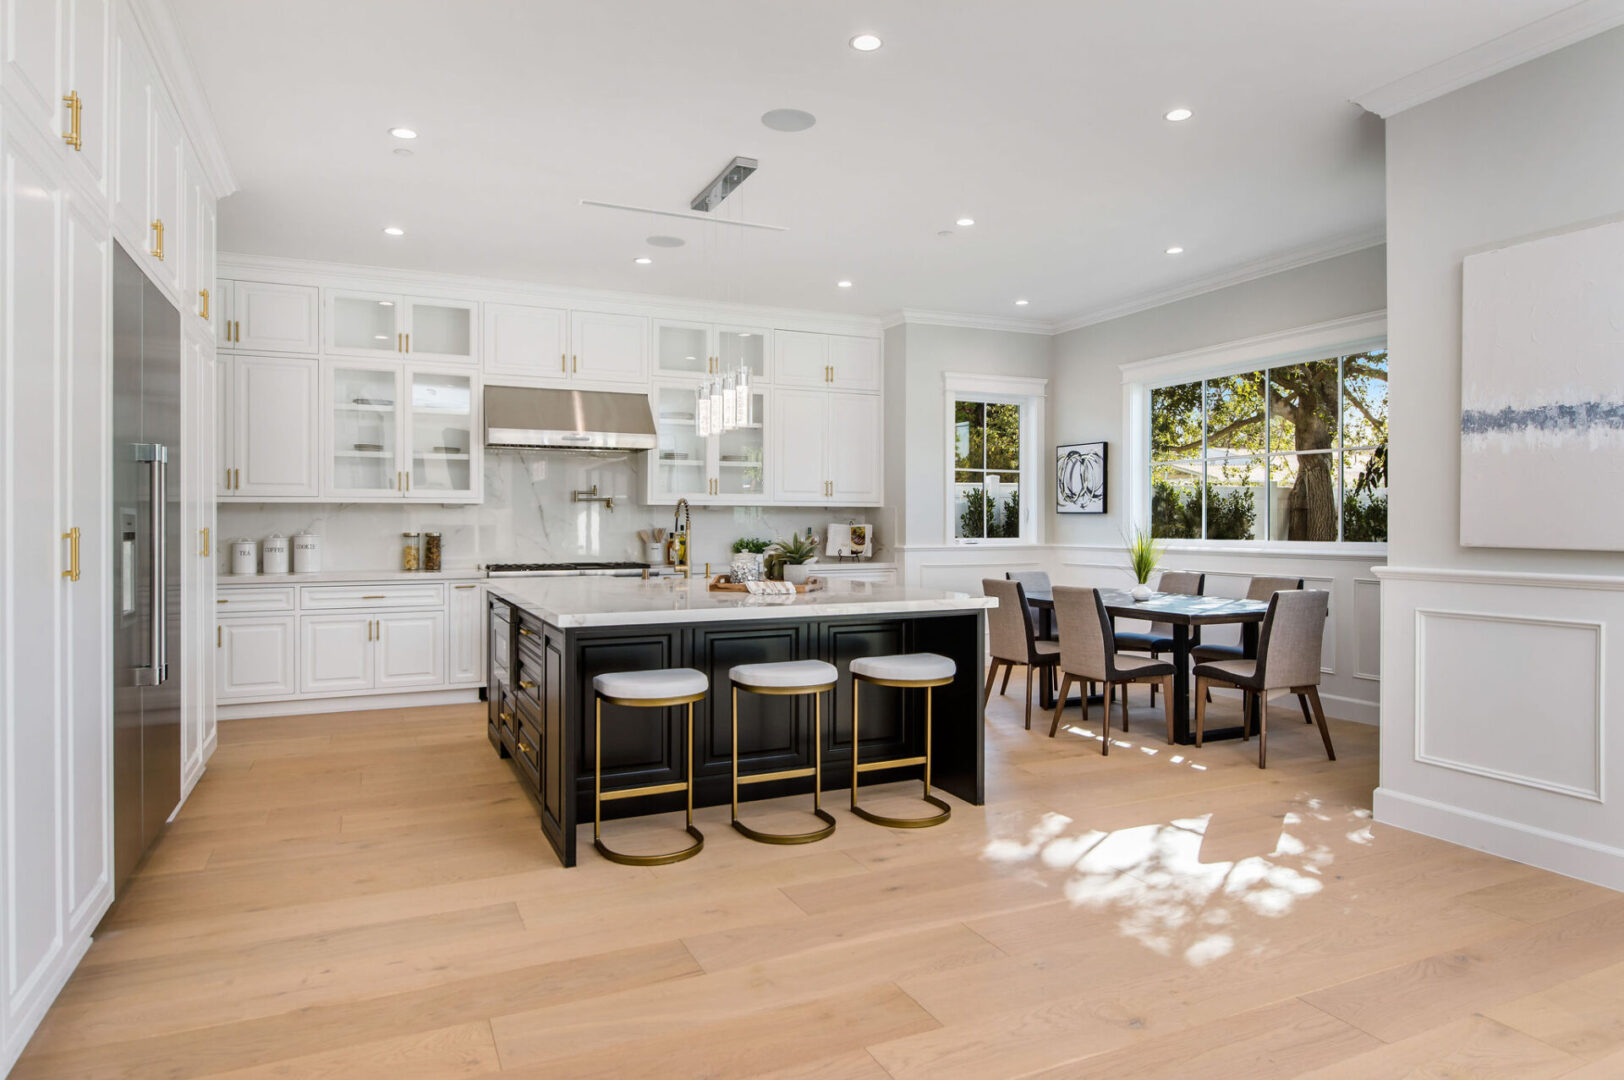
x=682 y=540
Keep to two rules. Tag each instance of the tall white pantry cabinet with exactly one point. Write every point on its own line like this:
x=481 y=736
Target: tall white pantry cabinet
x=100 y=143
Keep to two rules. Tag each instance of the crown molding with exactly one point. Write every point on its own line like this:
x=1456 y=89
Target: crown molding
x=1008 y=323
x=235 y=265
x=1240 y=275
x=1555 y=31
x=1236 y=356
x=157 y=25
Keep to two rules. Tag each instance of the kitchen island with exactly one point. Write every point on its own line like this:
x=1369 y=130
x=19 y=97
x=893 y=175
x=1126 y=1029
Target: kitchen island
x=550 y=637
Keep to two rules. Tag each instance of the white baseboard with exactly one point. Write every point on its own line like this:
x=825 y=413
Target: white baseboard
x=50 y=987
x=1586 y=860
x=306 y=706
x=1346 y=708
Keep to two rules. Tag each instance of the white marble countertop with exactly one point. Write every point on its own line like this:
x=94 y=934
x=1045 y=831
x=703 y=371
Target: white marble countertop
x=605 y=601
x=348 y=577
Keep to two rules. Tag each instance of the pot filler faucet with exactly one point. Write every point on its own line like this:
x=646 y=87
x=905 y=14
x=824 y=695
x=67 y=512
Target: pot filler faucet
x=681 y=542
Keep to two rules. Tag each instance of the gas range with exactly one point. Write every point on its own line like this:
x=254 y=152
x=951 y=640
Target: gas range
x=571 y=569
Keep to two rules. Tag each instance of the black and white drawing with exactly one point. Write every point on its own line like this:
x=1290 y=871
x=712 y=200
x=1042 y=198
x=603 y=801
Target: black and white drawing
x=1079 y=478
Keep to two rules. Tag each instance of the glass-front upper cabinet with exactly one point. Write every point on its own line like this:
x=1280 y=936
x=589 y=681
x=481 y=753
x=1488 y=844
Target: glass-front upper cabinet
x=738 y=346
x=678 y=466
x=686 y=348
x=443 y=460
x=739 y=465
x=383 y=324
x=363 y=452
x=726 y=466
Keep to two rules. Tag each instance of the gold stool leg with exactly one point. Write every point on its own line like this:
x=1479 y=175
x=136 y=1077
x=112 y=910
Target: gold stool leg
x=817 y=783
x=896 y=822
x=597 y=801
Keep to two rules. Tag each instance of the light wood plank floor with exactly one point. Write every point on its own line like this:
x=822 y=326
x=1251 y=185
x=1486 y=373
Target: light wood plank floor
x=368 y=895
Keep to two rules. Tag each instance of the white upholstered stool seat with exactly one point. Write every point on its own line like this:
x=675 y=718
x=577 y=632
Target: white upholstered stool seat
x=656 y=685
x=785 y=674
x=905 y=667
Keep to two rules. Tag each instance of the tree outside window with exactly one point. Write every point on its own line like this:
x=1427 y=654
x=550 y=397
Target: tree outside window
x=987 y=470
x=1295 y=452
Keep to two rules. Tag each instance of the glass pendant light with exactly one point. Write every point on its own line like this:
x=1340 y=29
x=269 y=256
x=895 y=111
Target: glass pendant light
x=741 y=388
x=730 y=402
x=716 y=406
x=702 y=411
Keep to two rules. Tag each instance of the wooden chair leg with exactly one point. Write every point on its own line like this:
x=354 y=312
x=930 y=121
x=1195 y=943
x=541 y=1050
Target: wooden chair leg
x=1167 y=705
x=1246 y=716
x=1060 y=703
x=992 y=673
x=1203 y=694
x=1319 y=718
x=1302 y=699
x=1002 y=690
x=1263 y=729
x=1031 y=677
x=1125 y=706
x=1105 y=720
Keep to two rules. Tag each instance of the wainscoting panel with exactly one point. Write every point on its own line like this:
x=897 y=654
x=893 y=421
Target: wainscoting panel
x=1367 y=605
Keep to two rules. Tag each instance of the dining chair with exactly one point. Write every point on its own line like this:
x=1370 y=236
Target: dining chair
x=1088 y=652
x=1012 y=641
x=1032 y=579
x=1288 y=658
x=1259 y=588
x=1159 y=639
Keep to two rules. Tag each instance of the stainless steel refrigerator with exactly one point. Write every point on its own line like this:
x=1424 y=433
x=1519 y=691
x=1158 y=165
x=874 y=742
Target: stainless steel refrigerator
x=146 y=563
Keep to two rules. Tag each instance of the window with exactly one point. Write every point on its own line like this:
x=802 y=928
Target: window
x=1296 y=452
x=987 y=473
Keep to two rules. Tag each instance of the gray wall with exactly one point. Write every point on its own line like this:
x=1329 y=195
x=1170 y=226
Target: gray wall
x=1085 y=394
x=1538 y=148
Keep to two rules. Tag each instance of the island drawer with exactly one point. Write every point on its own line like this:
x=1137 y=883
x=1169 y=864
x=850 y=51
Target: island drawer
x=371 y=597
x=232 y=599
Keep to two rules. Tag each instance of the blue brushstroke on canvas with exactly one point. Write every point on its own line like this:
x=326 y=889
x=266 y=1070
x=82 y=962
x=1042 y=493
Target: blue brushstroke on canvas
x=1555 y=419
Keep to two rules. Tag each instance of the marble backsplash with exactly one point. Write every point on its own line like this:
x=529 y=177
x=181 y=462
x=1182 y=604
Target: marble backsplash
x=527 y=516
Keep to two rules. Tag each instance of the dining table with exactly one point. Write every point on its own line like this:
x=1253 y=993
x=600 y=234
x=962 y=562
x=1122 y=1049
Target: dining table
x=1185 y=614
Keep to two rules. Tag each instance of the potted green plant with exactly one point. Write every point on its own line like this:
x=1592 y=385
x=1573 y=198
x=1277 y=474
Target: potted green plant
x=792 y=559
x=749 y=553
x=1144 y=553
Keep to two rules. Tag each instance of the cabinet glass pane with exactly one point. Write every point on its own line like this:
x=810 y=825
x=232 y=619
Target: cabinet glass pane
x=442 y=426
x=684 y=348
x=743 y=347
x=441 y=329
x=679 y=460
x=741 y=462
x=364 y=411
x=364 y=323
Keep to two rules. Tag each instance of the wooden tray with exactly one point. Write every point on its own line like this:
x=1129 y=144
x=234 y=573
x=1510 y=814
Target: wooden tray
x=721 y=583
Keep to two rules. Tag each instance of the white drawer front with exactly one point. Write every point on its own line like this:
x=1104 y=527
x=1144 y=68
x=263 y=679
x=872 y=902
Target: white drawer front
x=231 y=599
x=373 y=597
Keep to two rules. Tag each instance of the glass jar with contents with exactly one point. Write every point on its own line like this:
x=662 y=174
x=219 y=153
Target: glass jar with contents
x=408 y=551
x=431 y=552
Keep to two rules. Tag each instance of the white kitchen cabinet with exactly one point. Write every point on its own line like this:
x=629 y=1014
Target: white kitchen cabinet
x=361 y=431
x=256 y=657
x=698 y=349
x=608 y=348
x=465 y=634
x=167 y=238
x=336 y=653
x=728 y=468
x=132 y=82
x=393 y=432
x=89 y=25
x=274 y=427
x=198 y=291
x=226 y=470
x=854 y=449
x=525 y=344
x=388 y=324
x=800 y=358
x=828 y=448
x=267 y=317
x=411 y=650
x=197 y=481
x=32 y=72
x=854 y=363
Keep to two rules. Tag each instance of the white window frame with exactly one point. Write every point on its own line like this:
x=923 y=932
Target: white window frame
x=1339 y=337
x=1030 y=394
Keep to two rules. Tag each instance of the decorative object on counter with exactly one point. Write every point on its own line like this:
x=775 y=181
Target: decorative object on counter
x=431 y=552
x=749 y=559
x=306 y=553
x=762 y=587
x=853 y=540
x=791 y=559
x=409 y=559
x=1079 y=478
x=275 y=554
x=245 y=556
x=1144 y=553
x=653 y=541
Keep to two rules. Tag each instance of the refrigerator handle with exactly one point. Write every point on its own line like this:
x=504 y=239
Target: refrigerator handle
x=157 y=456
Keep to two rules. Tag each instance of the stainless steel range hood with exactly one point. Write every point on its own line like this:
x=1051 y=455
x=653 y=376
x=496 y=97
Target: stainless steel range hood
x=524 y=418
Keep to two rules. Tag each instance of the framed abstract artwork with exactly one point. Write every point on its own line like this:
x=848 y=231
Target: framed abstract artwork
x=1079 y=478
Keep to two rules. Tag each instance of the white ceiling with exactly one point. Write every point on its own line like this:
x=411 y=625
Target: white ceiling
x=1042 y=119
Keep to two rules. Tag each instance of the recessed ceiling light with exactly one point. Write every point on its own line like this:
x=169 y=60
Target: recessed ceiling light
x=642 y=260
x=1022 y=303
x=1175 y=250
x=401 y=151
x=965 y=221
x=866 y=42
x=665 y=241
x=403 y=133
x=788 y=119
x=1178 y=116
x=394 y=230
x=843 y=284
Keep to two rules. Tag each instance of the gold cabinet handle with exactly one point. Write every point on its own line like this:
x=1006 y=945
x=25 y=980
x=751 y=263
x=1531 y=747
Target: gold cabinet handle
x=236 y=476
x=465 y=586
x=397 y=480
x=400 y=341
x=205 y=552
x=575 y=364
x=380 y=596
x=222 y=601
x=525 y=748
x=564 y=363
x=219 y=635
x=526 y=633
x=369 y=629
x=75 y=108
x=523 y=685
x=72 y=537
x=228 y=478
x=408 y=343
x=158 y=238
x=408 y=480
x=204 y=294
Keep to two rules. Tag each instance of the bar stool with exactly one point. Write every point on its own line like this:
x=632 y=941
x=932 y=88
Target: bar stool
x=907 y=670
x=785 y=678
x=646 y=690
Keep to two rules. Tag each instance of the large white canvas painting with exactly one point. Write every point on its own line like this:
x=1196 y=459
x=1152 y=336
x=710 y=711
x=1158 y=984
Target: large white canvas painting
x=1542 y=393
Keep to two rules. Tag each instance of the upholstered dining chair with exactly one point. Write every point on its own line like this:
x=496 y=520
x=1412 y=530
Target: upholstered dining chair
x=1031 y=579
x=1259 y=588
x=1010 y=632
x=1159 y=639
x=1088 y=652
x=1288 y=658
